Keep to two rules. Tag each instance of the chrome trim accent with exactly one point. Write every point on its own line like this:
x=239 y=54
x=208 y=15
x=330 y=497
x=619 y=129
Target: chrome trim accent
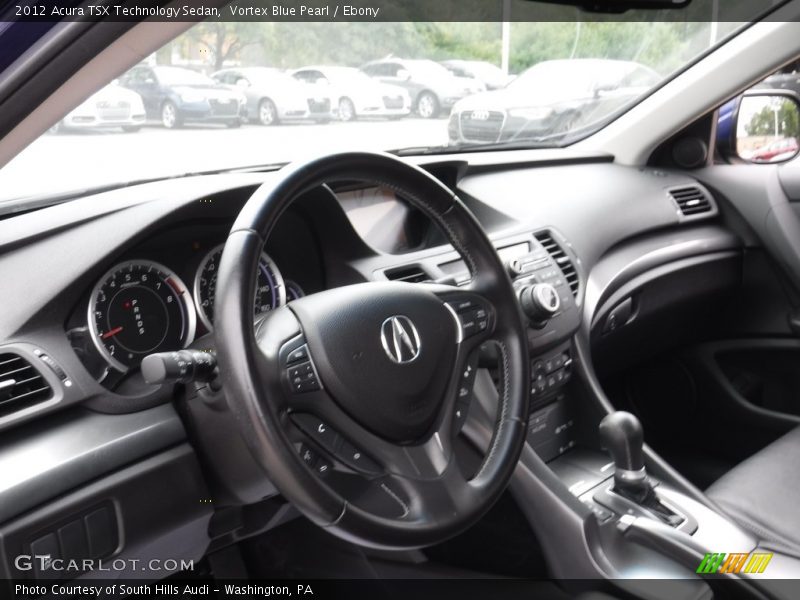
x=628 y=475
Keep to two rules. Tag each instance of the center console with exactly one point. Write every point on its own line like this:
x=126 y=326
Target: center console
x=602 y=504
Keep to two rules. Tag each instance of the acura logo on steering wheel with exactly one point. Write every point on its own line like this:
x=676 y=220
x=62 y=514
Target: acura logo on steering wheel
x=400 y=339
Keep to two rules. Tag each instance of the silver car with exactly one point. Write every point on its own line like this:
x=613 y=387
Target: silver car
x=356 y=94
x=274 y=96
x=112 y=106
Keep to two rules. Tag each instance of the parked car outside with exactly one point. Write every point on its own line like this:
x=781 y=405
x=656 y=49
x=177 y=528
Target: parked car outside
x=550 y=98
x=776 y=151
x=274 y=96
x=112 y=106
x=356 y=94
x=174 y=96
x=490 y=75
x=433 y=89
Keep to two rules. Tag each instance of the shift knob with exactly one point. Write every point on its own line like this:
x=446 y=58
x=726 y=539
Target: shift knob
x=621 y=434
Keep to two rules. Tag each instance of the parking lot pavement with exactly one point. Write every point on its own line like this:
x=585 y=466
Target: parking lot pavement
x=74 y=160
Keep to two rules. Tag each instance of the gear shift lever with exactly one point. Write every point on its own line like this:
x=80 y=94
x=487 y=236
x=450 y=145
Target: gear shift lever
x=621 y=434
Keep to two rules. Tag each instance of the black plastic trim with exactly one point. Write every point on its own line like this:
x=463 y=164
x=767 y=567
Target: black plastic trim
x=39 y=463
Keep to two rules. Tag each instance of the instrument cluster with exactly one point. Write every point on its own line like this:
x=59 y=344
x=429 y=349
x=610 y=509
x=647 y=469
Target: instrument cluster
x=140 y=306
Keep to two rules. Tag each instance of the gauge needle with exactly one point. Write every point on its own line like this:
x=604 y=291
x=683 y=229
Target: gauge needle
x=111 y=333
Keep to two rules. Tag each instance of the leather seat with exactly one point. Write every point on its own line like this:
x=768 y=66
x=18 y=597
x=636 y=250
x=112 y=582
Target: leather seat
x=762 y=493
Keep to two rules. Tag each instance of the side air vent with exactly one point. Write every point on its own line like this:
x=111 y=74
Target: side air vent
x=561 y=259
x=20 y=383
x=409 y=274
x=691 y=200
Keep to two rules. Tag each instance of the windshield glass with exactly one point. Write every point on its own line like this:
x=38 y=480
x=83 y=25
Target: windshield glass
x=344 y=75
x=554 y=80
x=176 y=76
x=426 y=68
x=268 y=77
x=167 y=118
x=483 y=69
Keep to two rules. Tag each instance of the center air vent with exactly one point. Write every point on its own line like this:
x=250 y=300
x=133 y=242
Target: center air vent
x=409 y=274
x=691 y=200
x=560 y=257
x=20 y=383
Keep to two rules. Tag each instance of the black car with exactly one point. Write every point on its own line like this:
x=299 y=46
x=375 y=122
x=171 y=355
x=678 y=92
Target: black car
x=174 y=96
x=551 y=98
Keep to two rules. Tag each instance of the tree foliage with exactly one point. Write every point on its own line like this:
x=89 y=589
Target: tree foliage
x=663 y=46
x=782 y=114
x=225 y=41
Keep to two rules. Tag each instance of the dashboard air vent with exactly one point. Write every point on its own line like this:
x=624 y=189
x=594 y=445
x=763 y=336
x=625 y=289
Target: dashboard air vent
x=20 y=383
x=409 y=274
x=561 y=259
x=691 y=200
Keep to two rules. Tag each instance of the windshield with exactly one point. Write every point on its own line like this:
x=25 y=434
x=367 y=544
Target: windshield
x=568 y=79
x=176 y=76
x=342 y=75
x=573 y=79
x=483 y=69
x=426 y=68
x=268 y=77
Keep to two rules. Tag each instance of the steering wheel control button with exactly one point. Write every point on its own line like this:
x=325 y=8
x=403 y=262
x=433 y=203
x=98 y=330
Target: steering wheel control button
x=333 y=443
x=356 y=459
x=303 y=378
x=317 y=430
x=308 y=455
x=465 y=388
x=472 y=315
x=323 y=467
x=462 y=305
x=297 y=355
x=300 y=370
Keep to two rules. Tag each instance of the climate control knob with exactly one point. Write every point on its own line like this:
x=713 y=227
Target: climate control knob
x=539 y=301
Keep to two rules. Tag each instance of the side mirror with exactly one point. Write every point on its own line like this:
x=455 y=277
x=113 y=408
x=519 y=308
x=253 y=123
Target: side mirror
x=762 y=126
x=403 y=75
x=242 y=83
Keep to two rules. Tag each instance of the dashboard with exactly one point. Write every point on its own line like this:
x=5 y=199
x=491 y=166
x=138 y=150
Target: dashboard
x=132 y=271
x=108 y=279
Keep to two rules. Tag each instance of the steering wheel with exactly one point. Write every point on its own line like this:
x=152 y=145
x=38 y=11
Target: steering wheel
x=371 y=372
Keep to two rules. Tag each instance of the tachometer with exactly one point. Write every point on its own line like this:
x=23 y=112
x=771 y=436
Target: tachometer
x=137 y=308
x=270 y=289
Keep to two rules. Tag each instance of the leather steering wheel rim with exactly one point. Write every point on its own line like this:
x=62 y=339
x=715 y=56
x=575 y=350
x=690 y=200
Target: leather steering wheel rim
x=439 y=504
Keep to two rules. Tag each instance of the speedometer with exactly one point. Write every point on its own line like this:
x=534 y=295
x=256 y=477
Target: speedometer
x=270 y=289
x=137 y=308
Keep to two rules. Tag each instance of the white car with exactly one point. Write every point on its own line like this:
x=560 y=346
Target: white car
x=273 y=96
x=112 y=106
x=356 y=94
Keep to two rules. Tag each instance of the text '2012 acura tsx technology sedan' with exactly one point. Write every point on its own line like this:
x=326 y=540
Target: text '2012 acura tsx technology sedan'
x=545 y=348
